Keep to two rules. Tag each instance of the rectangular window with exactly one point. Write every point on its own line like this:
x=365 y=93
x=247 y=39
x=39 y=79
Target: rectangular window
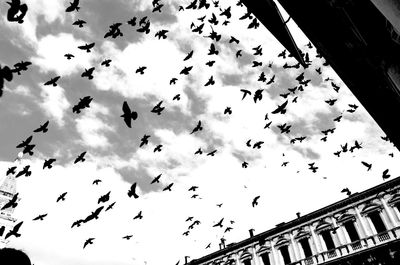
x=377 y=221
x=247 y=262
x=352 y=231
x=265 y=259
x=326 y=235
x=285 y=254
x=306 y=247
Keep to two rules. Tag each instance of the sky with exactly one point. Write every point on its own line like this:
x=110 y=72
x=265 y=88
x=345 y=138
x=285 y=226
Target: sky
x=112 y=149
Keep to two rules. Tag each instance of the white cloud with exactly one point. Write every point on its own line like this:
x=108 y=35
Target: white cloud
x=92 y=126
x=54 y=103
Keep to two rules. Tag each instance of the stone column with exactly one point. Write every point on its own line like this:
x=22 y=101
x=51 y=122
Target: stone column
x=256 y=259
x=389 y=213
x=274 y=254
x=339 y=232
x=317 y=243
x=362 y=223
x=295 y=248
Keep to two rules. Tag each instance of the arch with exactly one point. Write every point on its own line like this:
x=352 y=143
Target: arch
x=371 y=207
x=301 y=234
x=322 y=226
x=262 y=250
x=245 y=255
x=282 y=241
x=346 y=217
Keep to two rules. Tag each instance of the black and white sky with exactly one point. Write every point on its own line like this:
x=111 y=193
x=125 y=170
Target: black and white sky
x=113 y=152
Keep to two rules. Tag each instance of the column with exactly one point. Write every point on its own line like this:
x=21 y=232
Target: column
x=363 y=226
x=256 y=259
x=339 y=232
x=296 y=249
x=389 y=213
x=275 y=260
x=317 y=243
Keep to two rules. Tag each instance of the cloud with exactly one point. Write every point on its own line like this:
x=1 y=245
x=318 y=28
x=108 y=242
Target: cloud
x=50 y=54
x=92 y=126
x=54 y=103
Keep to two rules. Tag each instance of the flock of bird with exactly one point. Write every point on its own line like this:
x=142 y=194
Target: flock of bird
x=18 y=10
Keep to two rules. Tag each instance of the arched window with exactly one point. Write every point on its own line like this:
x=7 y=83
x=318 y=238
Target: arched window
x=372 y=211
x=284 y=250
x=246 y=257
x=263 y=252
x=303 y=238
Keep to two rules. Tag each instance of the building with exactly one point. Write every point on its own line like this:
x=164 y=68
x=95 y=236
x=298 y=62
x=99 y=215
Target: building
x=360 y=39
x=7 y=190
x=361 y=229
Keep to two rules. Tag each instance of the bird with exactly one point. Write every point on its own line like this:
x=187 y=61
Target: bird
x=212 y=50
x=168 y=187
x=190 y=218
x=245 y=93
x=144 y=140
x=69 y=56
x=20 y=66
x=132 y=191
x=96 y=182
x=188 y=56
x=281 y=108
x=198 y=152
x=210 y=81
x=106 y=63
x=367 y=165
x=138 y=216
x=52 y=81
x=104 y=198
x=228 y=229
x=156 y=179
x=17 y=11
x=14 y=231
x=173 y=81
x=87 y=47
x=127 y=237
x=82 y=104
x=212 y=153
x=42 y=128
x=258 y=144
x=157 y=108
x=233 y=39
x=385 y=174
x=157 y=8
x=88 y=241
x=245 y=164
x=132 y=21
x=193 y=188
x=12 y=203
x=74 y=6
x=161 y=34
x=186 y=70
x=61 y=197
x=11 y=170
x=219 y=205
x=80 y=158
x=77 y=223
x=25 y=142
x=219 y=223
x=109 y=207
x=158 y=148
x=88 y=73
x=48 y=163
x=197 y=128
x=94 y=215
x=79 y=23
x=255 y=201
x=5 y=74
x=128 y=114
x=25 y=171
x=228 y=110
x=40 y=217
x=347 y=191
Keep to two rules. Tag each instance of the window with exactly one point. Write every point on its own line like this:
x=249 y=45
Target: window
x=351 y=231
x=265 y=258
x=306 y=247
x=247 y=262
x=285 y=254
x=377 y=222
x=326 y=236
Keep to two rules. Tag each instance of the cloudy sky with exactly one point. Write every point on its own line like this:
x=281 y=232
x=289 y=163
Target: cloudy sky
x=113 y=153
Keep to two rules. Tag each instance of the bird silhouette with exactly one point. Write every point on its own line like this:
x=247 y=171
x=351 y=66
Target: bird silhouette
x=48 y=163
x=281 y=108
x=5 y=74
x=109 y=207
x=161 y=34
x=12 y=203
x=255 y=201
x=212 y=153
x=219 y=224
x=74 y=6
x=42 y=128
x=40 y=217
x=128 y=115
x=88 y=241
x=82 y=104
x=197 y=128
x=157 y=108
x=94 y=215
x=127 y=237
x=156 y=179
x=69 y=56
x=198 y=152
x=88 y=73
x=96 y=182
x=132 y=191
x=158 y=148
x=228 y=110
x=77 y=223
x=79 y=23
x=245 y=93
x=367 y=165
x=11 y=170
x=193 y=188
x=138 y=216
x=14 y=231
x=61 y=197
x=17 y=11
x=385 y=174
x=132 y=21
x=25 y=171
x=52 y=81
x=212 y=50
x=21 y=66
x=80 y=158
x=106 y=63
x=25 y=142
x=173 y=81
x=168 y=187
x=347 y=191
x=87 y=47
x=104 y=198
x=186 y=70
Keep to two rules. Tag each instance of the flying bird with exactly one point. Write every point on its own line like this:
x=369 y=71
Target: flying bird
x=197 y=128
x=42 y=128
x=385 y=174
x=88 y=241
x=367 y=165
x=255 y=201
x=104 y=198
x=281 y=108
x=132 y=191
x=219 y=223
x=61 y=197
x=347 y=191
x=73 y=6
x=87 y=47
x=156 y=179
x=128 y=114
x=79 y=23
x=80 y=158
x=14 y=231
x=138 y=216
x=52 y=81
x=48 y=163
x=168 y=187
x=40 y=217
x=12 y=203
